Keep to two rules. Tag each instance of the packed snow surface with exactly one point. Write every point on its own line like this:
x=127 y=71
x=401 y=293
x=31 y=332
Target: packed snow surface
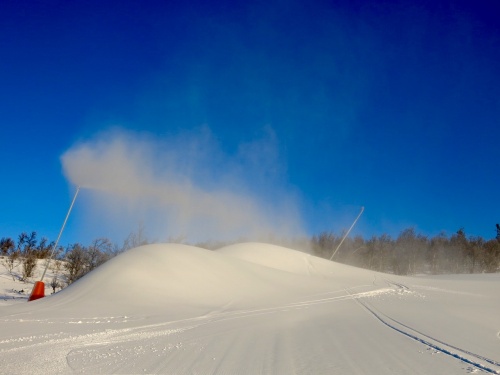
x=252 y=308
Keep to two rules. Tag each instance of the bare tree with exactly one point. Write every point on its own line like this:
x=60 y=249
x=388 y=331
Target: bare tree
x=437 y=256
x=492 y=256
x=135 y=239
x=75 y=263
x=11 y=261
x=100 y=251
x=324 y=244
x=459 y=245
x=29 y=260
x=44 y=248
x=9 y=255
x=405 y=248
x=6 y=245
x=380 y=252
x=475 y=252
x=54 y=284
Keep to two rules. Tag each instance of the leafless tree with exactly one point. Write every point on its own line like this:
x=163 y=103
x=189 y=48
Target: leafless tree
x=75 y=263
x=54 y=284
x=136 y=239
x=11 y=261
x=29 y=260
x=98 y=253
x=6 y=246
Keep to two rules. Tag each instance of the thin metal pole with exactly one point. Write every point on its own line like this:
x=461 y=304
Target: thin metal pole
x=60 y=233
x=345 y=235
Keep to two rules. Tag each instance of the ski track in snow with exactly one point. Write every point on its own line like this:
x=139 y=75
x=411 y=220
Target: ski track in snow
x=55 y=352
x=438 y=345
x=126 y=349
x=111 y=350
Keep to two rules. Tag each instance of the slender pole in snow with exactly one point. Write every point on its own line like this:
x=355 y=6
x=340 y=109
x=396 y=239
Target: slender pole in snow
x=60 y=233
x=345 y=235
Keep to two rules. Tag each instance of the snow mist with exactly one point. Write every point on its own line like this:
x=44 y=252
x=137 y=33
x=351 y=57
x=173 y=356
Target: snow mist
x=183 y=187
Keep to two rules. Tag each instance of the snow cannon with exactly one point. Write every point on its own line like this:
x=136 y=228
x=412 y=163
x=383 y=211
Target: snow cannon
x=38 y=291
x=39 y=287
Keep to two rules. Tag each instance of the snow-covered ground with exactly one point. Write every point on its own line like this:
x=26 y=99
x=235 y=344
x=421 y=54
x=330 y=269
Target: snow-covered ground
x=13 y=290
x=252 y=309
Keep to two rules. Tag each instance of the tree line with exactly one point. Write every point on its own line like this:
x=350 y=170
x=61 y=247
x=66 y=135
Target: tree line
x=411 y=253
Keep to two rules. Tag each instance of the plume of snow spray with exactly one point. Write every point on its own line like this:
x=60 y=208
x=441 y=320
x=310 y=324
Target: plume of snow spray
x=184 y=186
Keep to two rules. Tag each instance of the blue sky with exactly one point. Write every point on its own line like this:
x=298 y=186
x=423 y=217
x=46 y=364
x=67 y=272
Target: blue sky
x=391 y=105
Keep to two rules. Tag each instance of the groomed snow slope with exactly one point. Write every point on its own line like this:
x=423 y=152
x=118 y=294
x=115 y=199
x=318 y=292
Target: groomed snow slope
x=253 y=309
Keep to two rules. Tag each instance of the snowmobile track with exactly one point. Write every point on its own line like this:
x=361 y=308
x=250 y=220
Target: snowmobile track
x=398 y=285
x=492 y=361
x=384 y=320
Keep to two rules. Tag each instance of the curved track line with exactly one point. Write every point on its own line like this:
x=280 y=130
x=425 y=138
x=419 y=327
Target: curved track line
x=402 y=286
x=399 y=285
x=492 y=361
x=425 y=342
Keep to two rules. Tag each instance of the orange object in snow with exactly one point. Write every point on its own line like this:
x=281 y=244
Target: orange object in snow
x=38 y=291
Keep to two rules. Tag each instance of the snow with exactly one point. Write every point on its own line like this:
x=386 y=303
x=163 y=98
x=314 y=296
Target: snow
x=13 y=291
x=251 y=308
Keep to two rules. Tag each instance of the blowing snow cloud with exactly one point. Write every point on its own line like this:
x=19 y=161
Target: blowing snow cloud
x=184 y=186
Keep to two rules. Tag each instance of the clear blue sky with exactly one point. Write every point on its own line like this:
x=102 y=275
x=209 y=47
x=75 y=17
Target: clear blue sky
x=391 y=105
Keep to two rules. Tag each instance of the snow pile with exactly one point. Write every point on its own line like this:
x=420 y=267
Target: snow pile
x=276 y=257
x=253 y=308
x=159 y=276
x=282 y=258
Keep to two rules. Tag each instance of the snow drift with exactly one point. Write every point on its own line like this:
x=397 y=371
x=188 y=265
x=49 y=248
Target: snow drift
x=161 y=276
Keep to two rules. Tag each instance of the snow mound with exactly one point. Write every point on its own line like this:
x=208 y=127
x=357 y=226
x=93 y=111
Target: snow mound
x=293 y=261
x=271 y=256
x=160 y=277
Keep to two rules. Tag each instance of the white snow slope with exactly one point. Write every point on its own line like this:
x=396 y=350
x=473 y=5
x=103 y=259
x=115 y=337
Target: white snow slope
x=253 y=308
